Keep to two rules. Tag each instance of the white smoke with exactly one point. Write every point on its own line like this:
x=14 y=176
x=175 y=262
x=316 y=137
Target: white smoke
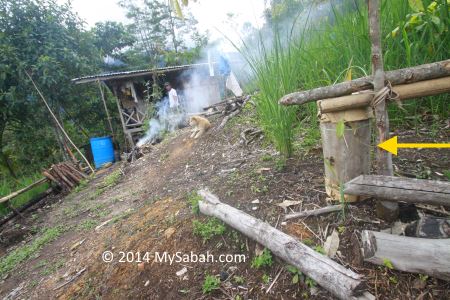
x=196 y=93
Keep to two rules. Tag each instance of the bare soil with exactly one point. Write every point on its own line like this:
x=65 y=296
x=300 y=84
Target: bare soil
x=148 y=211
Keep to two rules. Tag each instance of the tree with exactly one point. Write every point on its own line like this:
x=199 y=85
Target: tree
x=160 y=34
x=48 y=40
x=111 y=38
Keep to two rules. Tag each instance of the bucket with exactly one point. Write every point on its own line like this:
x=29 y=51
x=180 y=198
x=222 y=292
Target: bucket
x=345 y=156
x=102 y=150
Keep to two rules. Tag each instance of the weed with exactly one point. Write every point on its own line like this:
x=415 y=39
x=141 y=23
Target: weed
x=265 y=278
x=88 y=224
x=194 y=198
x=210 y=284
x=423 y=278
x=50 y=269
x=310 y=282
x=239 y=279
x=208 y=229
x=262 y=260
x=266 y=157
x=319 y=249
x=388 y=264
x=308 y=242
x=21 y=254
x=296 y=274
x=81 y=186
x=447 y=174
x=113 y=178
x=280 y=164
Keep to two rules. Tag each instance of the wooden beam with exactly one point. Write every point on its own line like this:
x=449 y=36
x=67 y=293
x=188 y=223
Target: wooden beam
x=409 y=254
x=400 y=189
x=21 y=191
x=396 y=77
x=341 y=282
x=404 y=92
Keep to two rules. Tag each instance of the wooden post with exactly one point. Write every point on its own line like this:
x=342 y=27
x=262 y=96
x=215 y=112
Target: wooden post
x=124 y=127
x=106 y=108
x=59 y=124
x=385 y=210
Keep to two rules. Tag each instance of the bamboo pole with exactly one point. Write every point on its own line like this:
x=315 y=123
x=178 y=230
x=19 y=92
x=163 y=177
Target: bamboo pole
x=21 y=191
x=106 y=108
x=385 y=210
x=59 y=124
x=404 y=91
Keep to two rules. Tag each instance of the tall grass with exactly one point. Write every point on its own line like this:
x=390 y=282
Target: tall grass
x=9 y=186
x=320 y=54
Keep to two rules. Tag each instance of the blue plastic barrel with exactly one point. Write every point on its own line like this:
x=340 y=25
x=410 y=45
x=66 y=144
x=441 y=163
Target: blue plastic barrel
x=102 y=150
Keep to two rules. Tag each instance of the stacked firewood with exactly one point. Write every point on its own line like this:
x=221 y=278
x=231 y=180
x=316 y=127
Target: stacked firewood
x=227 y=106
x=66 y=175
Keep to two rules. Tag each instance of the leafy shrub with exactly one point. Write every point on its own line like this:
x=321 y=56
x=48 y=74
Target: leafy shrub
x=208 y=229
x=262 y=260
x=210 y=284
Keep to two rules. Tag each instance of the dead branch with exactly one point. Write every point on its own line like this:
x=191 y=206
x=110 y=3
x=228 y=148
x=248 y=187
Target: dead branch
x=314 y=212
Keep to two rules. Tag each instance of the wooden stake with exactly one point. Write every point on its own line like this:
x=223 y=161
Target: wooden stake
x=385 y=210
x=59 y=124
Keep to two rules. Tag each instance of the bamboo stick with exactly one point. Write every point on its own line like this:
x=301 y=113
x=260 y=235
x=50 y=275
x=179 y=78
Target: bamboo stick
x=21 y=191
x=58 y=123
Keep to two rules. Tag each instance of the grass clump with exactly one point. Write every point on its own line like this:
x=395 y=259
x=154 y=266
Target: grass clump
x=21 y=254
x=88 y=224
x=210 y=284
x=194 y=198
x=208 y=229
x=112 y=179
x=262 y=260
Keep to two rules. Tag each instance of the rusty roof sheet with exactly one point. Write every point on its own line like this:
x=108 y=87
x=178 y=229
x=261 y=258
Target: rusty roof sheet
x=134 y=74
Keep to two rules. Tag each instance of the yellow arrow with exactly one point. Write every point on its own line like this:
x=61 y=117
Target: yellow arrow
x=391 y=145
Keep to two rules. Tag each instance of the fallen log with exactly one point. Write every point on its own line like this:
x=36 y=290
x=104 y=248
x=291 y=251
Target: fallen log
x=396 y=77
x=314 y=212
x=404 y=92
x=21 y=191
x=341 y=282
x=415 y=255
x=400 y=189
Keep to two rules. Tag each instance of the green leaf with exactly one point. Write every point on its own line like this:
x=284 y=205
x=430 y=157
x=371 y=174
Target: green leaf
x=292 y=269
x=388 y=264
x=340 y=128
x=295 y=279
x=416 y=5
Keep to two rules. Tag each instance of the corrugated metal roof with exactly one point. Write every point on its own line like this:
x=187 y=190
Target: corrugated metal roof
x=136 y=73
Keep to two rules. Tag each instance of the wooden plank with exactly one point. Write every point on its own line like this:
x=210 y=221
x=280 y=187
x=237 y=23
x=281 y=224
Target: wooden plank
x=338 y=280
x=21 y=191
x=400 y=189
x=409 y=254
x=404 y=92
x=396 y=77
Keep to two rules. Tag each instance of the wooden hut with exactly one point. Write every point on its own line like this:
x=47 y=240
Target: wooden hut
x=132 y=91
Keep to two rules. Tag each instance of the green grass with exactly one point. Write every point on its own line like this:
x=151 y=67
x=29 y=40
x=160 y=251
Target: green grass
x=322 y=51
x=262 y=260
x=9 y=186
x=208 y=229
x=210 y=284
x=23 y=253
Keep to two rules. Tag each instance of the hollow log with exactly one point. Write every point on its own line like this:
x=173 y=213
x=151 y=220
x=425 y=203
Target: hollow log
x=396 y=77
x=409 y=190
x=404 y=92
x=341 y=282
x=21 y=191
x=314 y=212
x=415 y=255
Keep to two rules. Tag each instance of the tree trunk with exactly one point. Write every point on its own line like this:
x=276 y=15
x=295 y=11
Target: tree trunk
x=4 y=157
x=415 y=255
x=341 y=282
x=396 y=77
x=409 y=190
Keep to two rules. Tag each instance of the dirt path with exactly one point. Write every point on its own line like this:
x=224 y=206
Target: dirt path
x=144 y=207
